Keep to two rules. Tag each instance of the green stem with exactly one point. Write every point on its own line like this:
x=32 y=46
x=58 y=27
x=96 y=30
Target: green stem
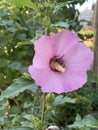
x=45 y=31
x=34 y=103
x=43 y=106
x=43 y=97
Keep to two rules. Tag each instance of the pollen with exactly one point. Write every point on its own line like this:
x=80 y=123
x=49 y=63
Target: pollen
x=57 y=64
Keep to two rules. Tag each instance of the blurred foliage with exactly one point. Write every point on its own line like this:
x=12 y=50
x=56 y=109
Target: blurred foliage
x=86 y=123
x=87 y=36
x=24 y=24
x=66 y=113
x=90 y=90
x=87 y=33
x=21 y=23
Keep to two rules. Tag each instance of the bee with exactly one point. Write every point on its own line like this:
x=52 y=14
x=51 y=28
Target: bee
x=57 y=64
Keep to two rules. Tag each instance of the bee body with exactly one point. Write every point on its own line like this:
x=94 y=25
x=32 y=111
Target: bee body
x=57 y=64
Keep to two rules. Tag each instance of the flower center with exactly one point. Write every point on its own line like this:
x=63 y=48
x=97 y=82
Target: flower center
x=57 y=64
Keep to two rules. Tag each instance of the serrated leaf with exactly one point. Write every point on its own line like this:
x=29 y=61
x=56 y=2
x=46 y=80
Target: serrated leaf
x=87 y=122
x=90 y=119
x=22 y=3
x=59 y=100
x=19 y=85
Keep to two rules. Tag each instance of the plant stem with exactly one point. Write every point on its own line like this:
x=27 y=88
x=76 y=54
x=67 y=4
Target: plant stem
x=43 y=96
x=43 y=106
x=45 y=31
x=34 y=103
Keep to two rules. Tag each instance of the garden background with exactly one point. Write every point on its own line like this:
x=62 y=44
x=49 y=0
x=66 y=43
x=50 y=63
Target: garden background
x=21 y=23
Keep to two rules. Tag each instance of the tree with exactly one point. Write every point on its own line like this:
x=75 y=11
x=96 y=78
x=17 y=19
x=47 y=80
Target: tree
x=95 y=65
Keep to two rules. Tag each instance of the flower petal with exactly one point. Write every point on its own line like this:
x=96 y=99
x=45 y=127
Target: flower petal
x=49 y=80
x=79 y=56
x=73 y=79
x=63 y=41
x=43 y=52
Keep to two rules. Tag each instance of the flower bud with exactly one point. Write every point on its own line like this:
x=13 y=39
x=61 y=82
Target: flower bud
x=50 y=98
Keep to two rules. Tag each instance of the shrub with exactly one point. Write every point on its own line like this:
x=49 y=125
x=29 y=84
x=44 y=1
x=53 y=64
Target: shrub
x=65 y=114
x=87 y=33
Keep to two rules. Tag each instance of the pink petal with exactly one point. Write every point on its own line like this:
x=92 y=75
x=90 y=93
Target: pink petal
x=73 y=79
x=43 y=52
x=49 y=80
x=79 y=56
x=63 y=41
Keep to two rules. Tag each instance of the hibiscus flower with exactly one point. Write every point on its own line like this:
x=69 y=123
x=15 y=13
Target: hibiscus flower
x=60 y=63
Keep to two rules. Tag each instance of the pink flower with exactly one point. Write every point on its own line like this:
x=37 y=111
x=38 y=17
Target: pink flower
x=60 y=63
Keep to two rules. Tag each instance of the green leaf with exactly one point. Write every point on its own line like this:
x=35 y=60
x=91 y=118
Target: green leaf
x=61 y=24
x=87 y=122
x=59 y=100
x=27 y=116
x=92 y=78
x=11 y=29
x=3 y=105
x=59 y=7
x=23 y=43
x=19 y=85
x=22 y=128
x=22 y=3
x=17 y=66
x=78 y=117
x=81 y=36
x=27 y=76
